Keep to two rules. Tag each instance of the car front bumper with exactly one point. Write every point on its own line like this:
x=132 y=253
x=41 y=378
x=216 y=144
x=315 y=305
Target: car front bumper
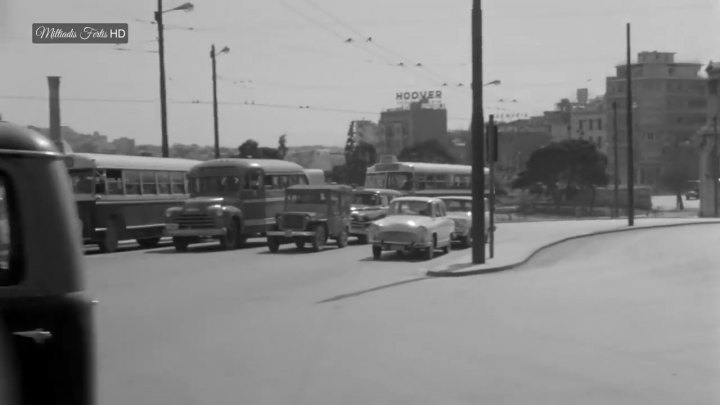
x=290 y=234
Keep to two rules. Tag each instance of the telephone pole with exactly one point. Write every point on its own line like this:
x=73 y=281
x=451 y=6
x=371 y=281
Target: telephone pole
x=478 y=140
x=163 y=93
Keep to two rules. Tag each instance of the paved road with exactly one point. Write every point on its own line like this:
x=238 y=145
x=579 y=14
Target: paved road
x=630 y=318
x=669 y=202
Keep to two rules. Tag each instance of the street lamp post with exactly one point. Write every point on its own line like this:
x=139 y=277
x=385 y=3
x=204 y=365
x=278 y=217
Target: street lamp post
x=213 y=54
x=630 y=152
x=161 y=51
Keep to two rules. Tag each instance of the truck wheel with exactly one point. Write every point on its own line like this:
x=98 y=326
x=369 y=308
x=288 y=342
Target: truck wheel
x=181 y=244
x=300 y=244
x=111 y=240
x=148 y=243
x=273 y=244
x=342 y=240
x=319 y=238
x=229 y=241
x=377 y=252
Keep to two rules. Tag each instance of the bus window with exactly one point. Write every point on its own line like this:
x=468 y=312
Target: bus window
x=100 y=182
x=375 y=180
x=163 y=180
x=132 y=181
x=399 y=181
x=114 y=181
x=82 y=181
x=231 y=184
x=302 y=179
x=178 y=183
x=253 y=181
x=271 y=182
x=149 y=183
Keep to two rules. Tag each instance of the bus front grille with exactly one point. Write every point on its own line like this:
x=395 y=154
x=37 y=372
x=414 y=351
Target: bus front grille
x=196 y=221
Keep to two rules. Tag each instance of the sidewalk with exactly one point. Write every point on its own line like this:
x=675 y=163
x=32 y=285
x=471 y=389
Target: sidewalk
x=516 y=243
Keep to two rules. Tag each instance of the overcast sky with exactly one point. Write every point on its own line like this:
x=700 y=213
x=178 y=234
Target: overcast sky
x=290 y=53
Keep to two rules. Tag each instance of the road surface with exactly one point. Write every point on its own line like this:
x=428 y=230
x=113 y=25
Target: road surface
x=628 y=318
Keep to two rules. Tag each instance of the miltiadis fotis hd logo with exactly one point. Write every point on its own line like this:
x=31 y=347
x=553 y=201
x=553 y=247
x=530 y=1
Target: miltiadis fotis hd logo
x=66 y=33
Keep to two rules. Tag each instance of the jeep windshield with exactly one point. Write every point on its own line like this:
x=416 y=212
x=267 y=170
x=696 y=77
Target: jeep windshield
x=215 y=186
x=410 y=208
x=306 y=197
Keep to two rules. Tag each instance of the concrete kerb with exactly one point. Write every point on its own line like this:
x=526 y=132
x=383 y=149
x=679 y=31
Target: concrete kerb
x=496 y=269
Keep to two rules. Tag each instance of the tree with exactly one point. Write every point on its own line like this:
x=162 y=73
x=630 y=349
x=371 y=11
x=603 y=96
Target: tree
x=249 y=149
x=680 y=166
x=429 y=151
x=563 y=168
x=358 y=157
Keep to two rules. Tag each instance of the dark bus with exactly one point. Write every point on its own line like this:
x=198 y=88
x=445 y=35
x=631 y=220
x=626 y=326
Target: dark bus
x=125 y=197
x=232 y=200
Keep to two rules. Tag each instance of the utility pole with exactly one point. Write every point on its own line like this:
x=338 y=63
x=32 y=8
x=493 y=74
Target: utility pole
x=478 y=140
x=616 y=170
x=716 y=167
x=215 y=104
x=163 y=95
x=630 y=153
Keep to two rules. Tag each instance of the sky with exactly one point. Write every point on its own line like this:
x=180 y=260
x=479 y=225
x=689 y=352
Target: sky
x=290 y=53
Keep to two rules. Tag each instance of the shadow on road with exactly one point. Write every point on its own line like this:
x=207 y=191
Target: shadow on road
x=205 y=248
x=401 y=257
x=92 y=250
x=370 y=290
x=291 y=249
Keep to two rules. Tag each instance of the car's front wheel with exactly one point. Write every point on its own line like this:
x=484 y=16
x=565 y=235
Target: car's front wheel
x=273 y=244
x=319 y=239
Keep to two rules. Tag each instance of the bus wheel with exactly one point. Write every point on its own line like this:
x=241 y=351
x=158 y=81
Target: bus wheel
x=181 y=244
x=148 y=243
x=111 y=240
x=319 y=239
x=230 y=239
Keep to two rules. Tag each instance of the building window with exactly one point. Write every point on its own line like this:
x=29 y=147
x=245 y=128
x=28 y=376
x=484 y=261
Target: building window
x=580 y=125
x=590 y=125
x=599 y=124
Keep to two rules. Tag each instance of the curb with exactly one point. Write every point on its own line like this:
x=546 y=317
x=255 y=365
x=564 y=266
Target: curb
x=449 y=273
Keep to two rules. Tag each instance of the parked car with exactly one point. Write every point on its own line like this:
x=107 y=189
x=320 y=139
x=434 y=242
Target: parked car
x=459 y=209
x=46 y=323
x=368 y=205
x=313 y=214
x=413 y=224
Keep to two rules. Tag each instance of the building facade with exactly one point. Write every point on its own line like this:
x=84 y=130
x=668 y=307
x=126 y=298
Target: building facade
x=588 y=121
x=409 y=125
x=669 y=106
x=517 y=140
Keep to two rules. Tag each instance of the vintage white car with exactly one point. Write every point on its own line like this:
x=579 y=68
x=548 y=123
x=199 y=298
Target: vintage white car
x=413 y=224
x=459 y=209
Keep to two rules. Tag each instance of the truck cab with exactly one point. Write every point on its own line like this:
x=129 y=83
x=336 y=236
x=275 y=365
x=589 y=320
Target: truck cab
x=46 y=327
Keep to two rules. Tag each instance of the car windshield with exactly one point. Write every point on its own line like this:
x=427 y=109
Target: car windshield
x=306 y=197
x=366 y=199
x=410 y=208
x=458 y=205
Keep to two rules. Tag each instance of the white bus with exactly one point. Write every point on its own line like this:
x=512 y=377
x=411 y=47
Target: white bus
x=422 y=178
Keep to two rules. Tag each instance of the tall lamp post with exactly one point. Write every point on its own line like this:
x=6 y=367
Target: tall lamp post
x=478 y=139
x=716 y=167
x=187 y=7
x=213 y=54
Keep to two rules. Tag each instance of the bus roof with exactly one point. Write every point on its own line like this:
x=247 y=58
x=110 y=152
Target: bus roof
x=16 y=138
x=327 y=187
x=105 y=161
x=268 y=165
x=425 y=167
